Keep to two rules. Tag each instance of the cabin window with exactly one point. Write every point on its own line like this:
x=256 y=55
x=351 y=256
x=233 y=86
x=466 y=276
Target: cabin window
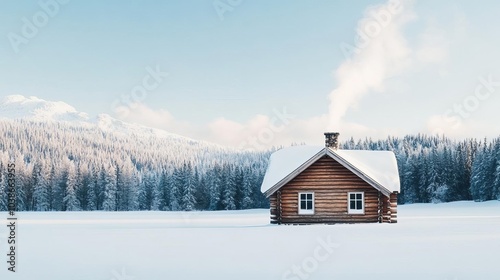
x=306 y=203
x=356 y=202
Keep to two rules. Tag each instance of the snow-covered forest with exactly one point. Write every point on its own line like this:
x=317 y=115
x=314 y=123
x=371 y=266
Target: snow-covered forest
x=437 y=169
x=65 y=167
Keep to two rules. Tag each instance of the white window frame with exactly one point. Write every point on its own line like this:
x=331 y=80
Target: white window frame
x=306 y=211
x=356 y=211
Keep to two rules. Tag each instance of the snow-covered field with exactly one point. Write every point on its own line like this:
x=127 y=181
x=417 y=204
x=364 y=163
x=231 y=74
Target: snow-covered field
x=458 y=240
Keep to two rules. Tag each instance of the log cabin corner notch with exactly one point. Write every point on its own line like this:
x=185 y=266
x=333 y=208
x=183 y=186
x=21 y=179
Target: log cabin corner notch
x=311 y=184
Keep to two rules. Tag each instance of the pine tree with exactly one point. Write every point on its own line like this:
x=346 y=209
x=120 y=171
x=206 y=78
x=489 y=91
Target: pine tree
x=165 y=186
x=459 y=185
x=109 y=202
x=188 y=198
x=70 y=200
x=142 y=195
x=436 y=187
x=489 y=174
x=214 y=186
x=175 y=192
x=133 y=197
x=158 y=194
x=202 y=194
x=229 y=190
x=58 y=181
x=91 y=191
x=483 y=174
x=259 y=200
x=21 y=182
x=495 y=166
x=247 y=202
x=477 y=179
x=3 y=189
x=41 y=193
x=238 y=179
x=99 y=187
x=151 y=183
x=81 y=185
x=410 y=181
x=126 y=190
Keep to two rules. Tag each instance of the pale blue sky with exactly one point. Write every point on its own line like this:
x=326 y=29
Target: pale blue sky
x=229 y=75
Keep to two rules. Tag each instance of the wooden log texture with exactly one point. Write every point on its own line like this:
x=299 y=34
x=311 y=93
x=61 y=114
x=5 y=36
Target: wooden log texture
x=393 y=199
x=330 y=182
x=273 y=208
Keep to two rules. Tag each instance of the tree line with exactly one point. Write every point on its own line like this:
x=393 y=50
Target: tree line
x=121 y=188
x=438 y=169
x=61 y=167
x=64 y=167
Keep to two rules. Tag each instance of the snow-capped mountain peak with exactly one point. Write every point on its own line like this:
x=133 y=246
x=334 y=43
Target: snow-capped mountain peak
x=19 y=107
x=36 y=109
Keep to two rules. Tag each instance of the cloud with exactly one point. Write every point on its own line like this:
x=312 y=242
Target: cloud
x=434 y=48
x=258 y=132
x=434 y=44
x=456 y=127
x=140 y=113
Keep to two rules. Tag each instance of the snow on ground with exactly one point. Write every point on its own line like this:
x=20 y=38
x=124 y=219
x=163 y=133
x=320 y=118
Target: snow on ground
x=459 y=240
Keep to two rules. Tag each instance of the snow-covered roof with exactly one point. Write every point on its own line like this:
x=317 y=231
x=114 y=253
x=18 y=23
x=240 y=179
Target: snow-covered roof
x=377 y=168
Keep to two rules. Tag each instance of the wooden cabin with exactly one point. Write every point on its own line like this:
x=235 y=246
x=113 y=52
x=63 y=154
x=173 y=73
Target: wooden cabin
x=308 y=184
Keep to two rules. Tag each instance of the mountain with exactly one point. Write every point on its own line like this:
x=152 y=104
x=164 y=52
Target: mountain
x=34 y=109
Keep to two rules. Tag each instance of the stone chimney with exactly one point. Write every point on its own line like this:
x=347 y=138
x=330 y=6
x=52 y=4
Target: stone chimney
x=332 y=140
